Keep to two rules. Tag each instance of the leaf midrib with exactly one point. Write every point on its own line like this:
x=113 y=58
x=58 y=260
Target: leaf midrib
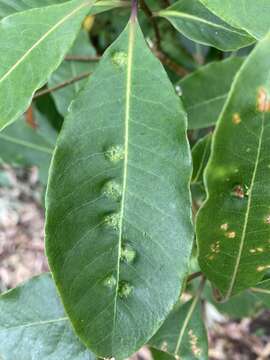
x=43 y=37
x=131 y=40
x=36 y=323
x=179 y=14
x=26 y=144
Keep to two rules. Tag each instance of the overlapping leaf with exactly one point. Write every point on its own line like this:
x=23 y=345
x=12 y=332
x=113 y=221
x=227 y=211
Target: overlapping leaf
x=250 y=15
x=42 y=37
x=196 y=22
x=25 y=143
x=200 y=156
x=183 y=333
x=233 y=227
x=206 y=89
x=118 y=232
x=33 y=325
x=8 y=7
x=71 y=69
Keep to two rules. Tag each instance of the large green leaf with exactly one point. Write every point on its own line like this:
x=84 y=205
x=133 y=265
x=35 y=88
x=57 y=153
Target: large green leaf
x=34 y=326
x=233 y=225
x=183 y=333
x=42 y=37
x=206 y=89
x=118 y=229
x=8 y=7
x=250 y=15
x=197 y=23
x=71 y=69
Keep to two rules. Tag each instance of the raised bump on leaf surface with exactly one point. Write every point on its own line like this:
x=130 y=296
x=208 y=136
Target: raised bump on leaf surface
x=115 y=153
x=112 y=190
x=120 y=58
x=125 y=289
x=128 y=254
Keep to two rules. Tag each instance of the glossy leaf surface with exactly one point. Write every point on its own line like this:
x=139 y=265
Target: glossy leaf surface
x=233 y=226
x=183 y=333
x=206 y=89
x=250 y=15
x=51 y=31
x=197 y=23
x=33 y=325
x=118 y=205
x=71 y=69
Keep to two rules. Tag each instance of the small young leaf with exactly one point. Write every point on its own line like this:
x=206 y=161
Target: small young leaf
x=200 y=156
x=42 y=37
x=233 y=227
x=71 y=69
x=118 y=196
x=34 y=326
x=250 y=15
x=206 y=89
x=183 y=333
x=197 y=23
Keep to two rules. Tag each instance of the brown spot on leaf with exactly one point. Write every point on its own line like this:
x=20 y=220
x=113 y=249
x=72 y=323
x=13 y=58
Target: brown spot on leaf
x=236 y=119
x=231 y=234
x=29 y=118
x=263 y=101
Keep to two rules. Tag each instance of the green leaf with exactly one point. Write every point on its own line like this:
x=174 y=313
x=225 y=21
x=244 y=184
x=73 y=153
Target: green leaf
x=183 y=333
x=233 y=226
x=262 y=292
x=8 y=7
x=47 y=35
x=200 y=156
x=197 y=23
x=23 y=144
x=206 y=89
x=160 y=355
x=34 y=326
x=250 y=15
x=245 y=304
x=118 y=194
x=72 y=69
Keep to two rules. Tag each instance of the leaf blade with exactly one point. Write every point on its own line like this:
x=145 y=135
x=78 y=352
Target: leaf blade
x=243 y=15
x=204 y=103
x=233 y=179
x=27 y=64
x=40 y=328
x=120 y=268
x=197 y=23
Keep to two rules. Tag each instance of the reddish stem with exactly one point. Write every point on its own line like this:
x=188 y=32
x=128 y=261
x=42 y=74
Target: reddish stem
x=134 y=10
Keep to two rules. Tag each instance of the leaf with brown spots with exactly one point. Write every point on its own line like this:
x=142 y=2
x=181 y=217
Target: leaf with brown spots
x=236 y=213
x=183 y=334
